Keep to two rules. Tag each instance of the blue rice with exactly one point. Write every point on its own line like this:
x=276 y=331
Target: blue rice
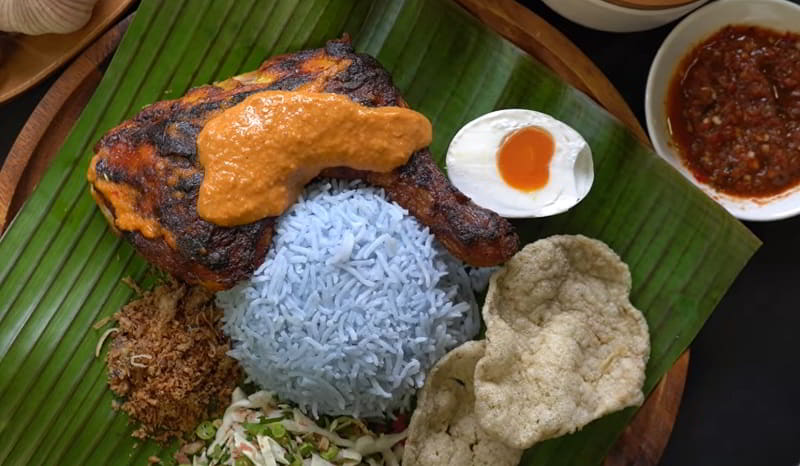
x=353 y=305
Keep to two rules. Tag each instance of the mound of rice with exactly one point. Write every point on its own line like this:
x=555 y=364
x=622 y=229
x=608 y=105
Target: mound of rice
x=353 y=305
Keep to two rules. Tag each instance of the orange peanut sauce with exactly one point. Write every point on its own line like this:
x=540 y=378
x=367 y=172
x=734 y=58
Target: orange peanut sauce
x=259 y=154
x=123 y=199
x=524 y=158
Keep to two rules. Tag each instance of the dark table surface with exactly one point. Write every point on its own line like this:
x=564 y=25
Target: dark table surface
x=740 y=406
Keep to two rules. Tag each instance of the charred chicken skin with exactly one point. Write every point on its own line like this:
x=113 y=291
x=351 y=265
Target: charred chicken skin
x=146 y=179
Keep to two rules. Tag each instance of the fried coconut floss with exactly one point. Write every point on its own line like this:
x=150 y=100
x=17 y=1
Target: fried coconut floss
x=168 y=361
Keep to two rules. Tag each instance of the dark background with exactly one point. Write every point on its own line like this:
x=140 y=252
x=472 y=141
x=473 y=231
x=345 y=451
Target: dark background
x=741 y=404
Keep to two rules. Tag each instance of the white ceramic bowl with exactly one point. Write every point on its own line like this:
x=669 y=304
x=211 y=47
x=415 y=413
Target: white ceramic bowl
x=774 y=14
x=605 y=16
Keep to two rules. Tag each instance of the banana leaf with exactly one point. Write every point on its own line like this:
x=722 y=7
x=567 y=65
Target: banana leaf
x=60 y=266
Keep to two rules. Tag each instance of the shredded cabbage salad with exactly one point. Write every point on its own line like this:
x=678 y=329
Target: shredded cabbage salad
x=258 y=430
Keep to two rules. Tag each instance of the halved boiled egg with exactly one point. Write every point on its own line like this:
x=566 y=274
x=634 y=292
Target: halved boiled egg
x=521 y=163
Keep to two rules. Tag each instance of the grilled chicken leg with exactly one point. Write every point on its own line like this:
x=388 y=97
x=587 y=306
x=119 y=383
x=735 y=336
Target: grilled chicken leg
x=146 y=178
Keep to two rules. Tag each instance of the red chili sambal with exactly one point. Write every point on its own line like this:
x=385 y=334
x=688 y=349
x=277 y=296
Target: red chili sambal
x=734 y=111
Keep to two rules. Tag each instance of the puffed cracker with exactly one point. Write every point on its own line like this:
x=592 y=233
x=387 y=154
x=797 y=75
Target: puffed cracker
x=565 y=345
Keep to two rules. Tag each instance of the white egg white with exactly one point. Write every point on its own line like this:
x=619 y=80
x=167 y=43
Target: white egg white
x=472 y=165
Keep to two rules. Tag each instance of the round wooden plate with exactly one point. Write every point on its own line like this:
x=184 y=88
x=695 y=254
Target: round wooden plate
x=26 y=60
x=645 y=438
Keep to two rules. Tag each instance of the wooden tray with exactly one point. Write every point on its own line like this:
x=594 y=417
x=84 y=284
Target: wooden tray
x=645 y=438
x=26 y=60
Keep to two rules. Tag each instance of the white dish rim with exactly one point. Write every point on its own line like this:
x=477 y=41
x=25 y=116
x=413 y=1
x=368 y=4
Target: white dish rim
x=742 y=208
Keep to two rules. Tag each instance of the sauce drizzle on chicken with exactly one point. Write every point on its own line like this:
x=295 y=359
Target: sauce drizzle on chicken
x=259 y=154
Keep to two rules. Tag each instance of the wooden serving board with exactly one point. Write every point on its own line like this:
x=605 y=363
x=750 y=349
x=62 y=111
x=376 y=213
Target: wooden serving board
x=645 y=438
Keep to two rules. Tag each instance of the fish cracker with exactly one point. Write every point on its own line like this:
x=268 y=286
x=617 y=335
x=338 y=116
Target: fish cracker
x=565 y=345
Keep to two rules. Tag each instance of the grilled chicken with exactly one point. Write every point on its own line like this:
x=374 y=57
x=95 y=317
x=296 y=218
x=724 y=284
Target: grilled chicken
x=146 y=179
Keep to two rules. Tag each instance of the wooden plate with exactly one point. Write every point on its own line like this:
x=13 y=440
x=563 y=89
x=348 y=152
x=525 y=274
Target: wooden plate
x=644 y=439
x=26 y=60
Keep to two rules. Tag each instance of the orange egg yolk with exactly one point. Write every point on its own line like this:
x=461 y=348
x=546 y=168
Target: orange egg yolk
x=524 y=158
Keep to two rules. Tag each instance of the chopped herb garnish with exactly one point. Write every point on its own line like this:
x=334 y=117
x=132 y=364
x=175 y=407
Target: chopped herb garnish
x=270 y=420
x=331 y=453
x=243 y=461
x=305 y=449
x=255 y=429
x=276 y=430
x=216 y=452
x=206 y=430
x=300 y=441
x=340 y=423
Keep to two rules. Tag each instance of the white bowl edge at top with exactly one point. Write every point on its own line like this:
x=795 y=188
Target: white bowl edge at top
x=780 y=15
x=606 y=16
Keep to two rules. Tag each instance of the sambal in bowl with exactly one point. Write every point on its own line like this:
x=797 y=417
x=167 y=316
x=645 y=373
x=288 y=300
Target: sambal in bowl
x=723 y=105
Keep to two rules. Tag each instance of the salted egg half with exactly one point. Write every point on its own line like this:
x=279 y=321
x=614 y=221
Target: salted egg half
x=521 y=163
